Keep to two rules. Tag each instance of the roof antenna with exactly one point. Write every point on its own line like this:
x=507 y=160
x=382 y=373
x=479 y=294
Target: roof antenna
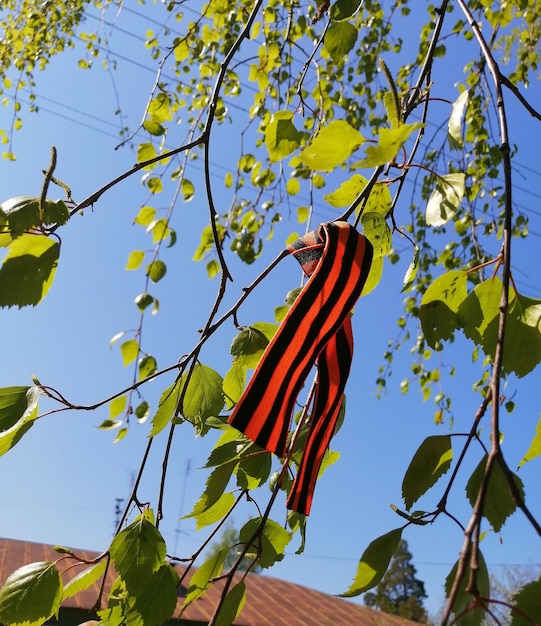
x=178 y=531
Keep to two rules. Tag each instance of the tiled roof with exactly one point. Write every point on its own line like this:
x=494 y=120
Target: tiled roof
x=270 y=602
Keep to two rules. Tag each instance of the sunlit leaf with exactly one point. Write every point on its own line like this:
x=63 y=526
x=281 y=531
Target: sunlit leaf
x=270 y=540
x=135 y=259
x=281 y=136
x=153 y=128
x=129 y=350
x=248 y=347
x=232 y=605
x=342 y=9
x=348 y=191
x=390 y=141
x=31 y=595
x=440 y=305
x=377 y=231
x=18 y=410
x=84 y=579
x=201 y=579
x=204 y=396
x=166 y=408
x=432 y=460
x=234 y=383
x=138 y=551
x=340 y=39
x=159 y=109
x=374 y=276
x=374 y=563
x=156 y=600
x=411 y=272
x=22 y=213
x=379 y=200
x=156 y=270
x=535 y=447
x=146 y=152
x=28 y=270
x=147 y=366
x=332 y=146
x=188 y=190
x=454 y=128
x=216 y=512
x=117 y=406
x=445 y=199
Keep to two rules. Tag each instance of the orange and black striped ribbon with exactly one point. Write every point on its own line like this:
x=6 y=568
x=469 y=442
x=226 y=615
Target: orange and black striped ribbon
x=337 y=259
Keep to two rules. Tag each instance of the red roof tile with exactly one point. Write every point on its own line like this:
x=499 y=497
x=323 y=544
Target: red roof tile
x=270 y=602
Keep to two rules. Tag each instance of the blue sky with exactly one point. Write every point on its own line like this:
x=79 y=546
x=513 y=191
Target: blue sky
x=60 y=483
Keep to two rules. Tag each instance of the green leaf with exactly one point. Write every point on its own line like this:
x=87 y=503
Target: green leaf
x=374 y=276
x=215 y=487
x=137 y=552
x=377 y=231
x=204 y=396
x=464 y=600
x=332 y=146
x=374 y=563
x=153 y=128
x=129 y=351
x=454 y=128
x=157 y=598
x=187 y=189
x=28 y=270
x=232 y=605
x=18 y=410
x=146 y=216
x=293 y=187
x=281 y=136
x=117 y=406
x=142 y=411
x=440 y=304
x=135 y=259
x=159 y=109
x=31 y=595
x=269 y=542
x=342 y=9
x=234 y=383
x=201 y=580
x=411 y=272
x=146 y=152
x=445 y=199
x=348 y=191
x=535 y=447
x=156 y=270
x=167 y=407
x=216 y=512
x=339 y=40
x=84 y=579
x=390 y=141
x=479 y=318
x=21 y=214
x=254 y=470
x=528 y=601
x=213 y=268
x=498 y=503
x=248 y=346
x=154 y=185
x=147 y=366
x=143 y=301
x=379 y=200
x=432 y=460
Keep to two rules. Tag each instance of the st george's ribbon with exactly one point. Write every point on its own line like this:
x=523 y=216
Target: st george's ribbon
x=316 y=330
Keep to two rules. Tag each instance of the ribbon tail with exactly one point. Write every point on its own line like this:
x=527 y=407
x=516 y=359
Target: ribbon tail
x=334 y=364
x=264 y=411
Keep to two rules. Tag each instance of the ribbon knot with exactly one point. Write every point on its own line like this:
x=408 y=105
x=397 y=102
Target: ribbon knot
x=316 y=330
